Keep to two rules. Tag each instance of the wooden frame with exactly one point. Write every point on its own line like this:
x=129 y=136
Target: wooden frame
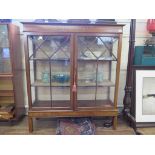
x=140 y=120
x=16 y=76
x=74 y=30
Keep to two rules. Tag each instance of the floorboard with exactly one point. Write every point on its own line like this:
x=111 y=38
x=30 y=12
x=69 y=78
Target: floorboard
x=48 y=127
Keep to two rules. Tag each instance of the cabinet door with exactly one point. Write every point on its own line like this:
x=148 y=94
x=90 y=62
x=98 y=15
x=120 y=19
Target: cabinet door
x=5 y=64
x=50 y=70
x=96 y=70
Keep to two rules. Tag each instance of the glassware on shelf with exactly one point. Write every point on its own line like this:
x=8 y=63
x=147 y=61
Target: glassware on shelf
x=86 y=78
x=100 y=77
x=45 y=77
x=61 y=78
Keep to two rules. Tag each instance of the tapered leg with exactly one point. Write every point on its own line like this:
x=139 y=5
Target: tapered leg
x=30 y=121
x=115 y=122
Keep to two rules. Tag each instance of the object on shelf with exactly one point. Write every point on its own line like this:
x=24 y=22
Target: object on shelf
x=150 y=41
x=7 y=112
x=47 y=21
x=93 y=55
x=5 y=20
x=144 y=55
x=79 y=21
x=105 y=21
x=86 y=78
x=45 y=77
x=100 y=77
x=91 y=78
x=151 y=25
x=61 y=78
x=53 y=21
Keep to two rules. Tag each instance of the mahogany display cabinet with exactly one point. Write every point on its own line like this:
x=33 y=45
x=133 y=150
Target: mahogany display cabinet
x=11 y=74
x=72 y=69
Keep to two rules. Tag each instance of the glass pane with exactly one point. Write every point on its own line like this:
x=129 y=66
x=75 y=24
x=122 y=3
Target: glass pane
x=49 y=47
x=41 y=96
x=97 y=57
x=40 y=82
x=4 y=42
x=5 y=65
x=50 y=69
x=60 y=83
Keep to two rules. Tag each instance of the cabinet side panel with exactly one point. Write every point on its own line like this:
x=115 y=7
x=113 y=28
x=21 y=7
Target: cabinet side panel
x=17 y=70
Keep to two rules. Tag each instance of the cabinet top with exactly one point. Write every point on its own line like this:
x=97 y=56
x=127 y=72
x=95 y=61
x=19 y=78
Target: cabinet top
x=82 y=24
x=72 y=28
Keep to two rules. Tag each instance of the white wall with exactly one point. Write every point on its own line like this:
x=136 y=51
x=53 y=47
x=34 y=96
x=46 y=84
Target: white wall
x=141 y=36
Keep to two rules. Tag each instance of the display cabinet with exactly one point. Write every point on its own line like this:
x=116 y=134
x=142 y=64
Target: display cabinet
x=72 y=70
x=11 y=83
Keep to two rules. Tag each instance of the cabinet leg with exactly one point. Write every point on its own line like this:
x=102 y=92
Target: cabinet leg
x=115 y=122
x=30 y=121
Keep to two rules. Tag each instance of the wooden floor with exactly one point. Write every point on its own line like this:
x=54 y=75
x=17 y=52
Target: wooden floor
x=48 y=127
x=146 y=131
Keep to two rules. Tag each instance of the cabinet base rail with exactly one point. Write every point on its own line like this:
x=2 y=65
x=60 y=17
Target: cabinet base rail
x=45 y=114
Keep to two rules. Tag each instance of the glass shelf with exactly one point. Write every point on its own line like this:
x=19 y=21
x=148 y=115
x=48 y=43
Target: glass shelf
x=105 y=83
x=105 y=104
x=81 y=59
x=101 y=59
x=49 y=104
x=39 y=83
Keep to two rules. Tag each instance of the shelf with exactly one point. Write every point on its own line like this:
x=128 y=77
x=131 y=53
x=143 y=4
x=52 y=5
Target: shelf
x=40 y=59
x=6 y=86
x=6 y=75
x=7 y=93
x=39 y=83
x=84 y=59
x=104 y=104
x=48 y=104
x=102 y=59
x=105 y=83
x=6 y=100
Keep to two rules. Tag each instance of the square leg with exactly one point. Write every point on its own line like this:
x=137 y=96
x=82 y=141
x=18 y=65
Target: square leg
x=115 y=122
x=30 y=122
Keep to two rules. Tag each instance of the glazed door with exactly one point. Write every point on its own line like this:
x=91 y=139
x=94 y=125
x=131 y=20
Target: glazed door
x=96 y=61
x=5 y=60
x=50 y=59
x=6 y=84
